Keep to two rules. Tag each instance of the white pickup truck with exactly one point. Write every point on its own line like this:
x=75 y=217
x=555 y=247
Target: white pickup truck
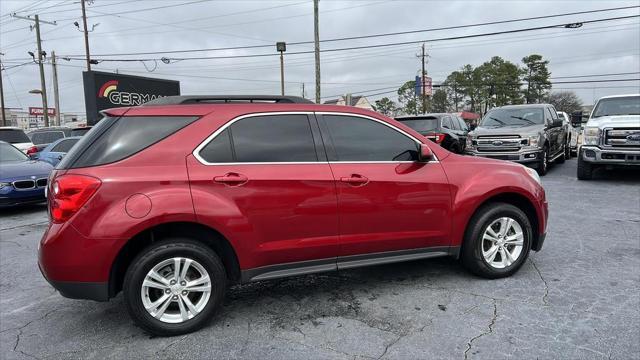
x=611 y=137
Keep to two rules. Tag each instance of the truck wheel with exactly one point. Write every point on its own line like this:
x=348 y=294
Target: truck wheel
x=543 y=163
x=174 y=287
x=567 y=151
x=497 y=241
x=585 y=169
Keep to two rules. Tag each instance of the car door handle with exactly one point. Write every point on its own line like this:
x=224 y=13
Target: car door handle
x=231 y=179
x=355 y=180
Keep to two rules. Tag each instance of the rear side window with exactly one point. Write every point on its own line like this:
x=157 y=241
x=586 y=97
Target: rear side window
x=360 y=139
x=422 y=125
x=80 y=131
x=114 y=139
x=271 y=138
x=446 y=123
x=13 y=136
x=46 y=137
x=64 y=145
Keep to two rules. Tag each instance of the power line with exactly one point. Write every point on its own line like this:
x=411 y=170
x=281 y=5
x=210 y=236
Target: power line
x=369 y=36
x=495 y=33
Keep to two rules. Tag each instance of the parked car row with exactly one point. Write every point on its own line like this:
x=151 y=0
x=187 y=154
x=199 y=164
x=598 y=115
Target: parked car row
x=532 y=134
x=25 y=167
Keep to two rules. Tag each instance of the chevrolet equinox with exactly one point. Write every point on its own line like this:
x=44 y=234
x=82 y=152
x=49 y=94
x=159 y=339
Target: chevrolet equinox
x=172 y=201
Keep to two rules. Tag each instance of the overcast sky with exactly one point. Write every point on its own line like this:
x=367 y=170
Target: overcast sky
x=600 y=48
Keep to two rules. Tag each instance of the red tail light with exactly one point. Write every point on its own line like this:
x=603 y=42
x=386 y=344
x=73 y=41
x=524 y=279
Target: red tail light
x=438 y=138
x=32 y=150
x=69 y=193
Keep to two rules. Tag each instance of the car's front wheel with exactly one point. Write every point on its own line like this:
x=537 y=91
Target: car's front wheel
x=543 y=162
x=497 y=241
x=174 y=287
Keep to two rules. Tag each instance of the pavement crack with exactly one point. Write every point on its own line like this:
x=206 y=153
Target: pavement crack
x=545 y=297
x=386 y=348
x=25 y=225
x=170 y=345
x=19 y=328
x=487 y=332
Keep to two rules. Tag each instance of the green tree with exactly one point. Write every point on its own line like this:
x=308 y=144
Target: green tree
x=408 y=99
x=466 y=88
x=440 y=101
x=566 y=101
x=500 y=83
x=386 y=106
x=536 y=78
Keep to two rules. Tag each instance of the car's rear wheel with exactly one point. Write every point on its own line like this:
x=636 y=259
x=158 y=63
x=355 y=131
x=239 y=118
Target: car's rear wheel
x=174 y=287
x=567 y=150
x=497 y=241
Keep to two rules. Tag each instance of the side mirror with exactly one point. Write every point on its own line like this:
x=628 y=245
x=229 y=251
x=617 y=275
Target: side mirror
x=473 y=127
x=425 y=154
x=556 y=123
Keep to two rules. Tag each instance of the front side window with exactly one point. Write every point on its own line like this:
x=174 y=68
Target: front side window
x=262 y=139
x=360 y=139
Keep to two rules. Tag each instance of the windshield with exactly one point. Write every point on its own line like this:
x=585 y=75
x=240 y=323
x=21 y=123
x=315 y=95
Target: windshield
x=13 y=136
x=46 y=137
x=10 y=153
x=629 y=105
x=422 y=125
x=513 y=117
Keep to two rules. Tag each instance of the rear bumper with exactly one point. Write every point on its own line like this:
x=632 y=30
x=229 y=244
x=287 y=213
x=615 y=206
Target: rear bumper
x=98 y=291
x=596 y=155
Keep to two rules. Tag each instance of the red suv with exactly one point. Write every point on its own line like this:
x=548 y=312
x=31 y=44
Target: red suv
x=173 y=201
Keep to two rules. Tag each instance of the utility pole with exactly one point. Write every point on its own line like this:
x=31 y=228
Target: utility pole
x=4 y=115
x=455 y=94
x=422 y=78
x=43 y=87
x=316 y=35
x=86 y=35
x=56 y=95
x=303 y=94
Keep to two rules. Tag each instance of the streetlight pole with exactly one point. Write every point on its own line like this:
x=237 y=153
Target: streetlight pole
x=4 y=114
x=281 y=46
x=56 y=94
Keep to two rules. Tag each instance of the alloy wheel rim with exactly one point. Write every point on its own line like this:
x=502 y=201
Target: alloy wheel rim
x=176 y=290
x=502 y=242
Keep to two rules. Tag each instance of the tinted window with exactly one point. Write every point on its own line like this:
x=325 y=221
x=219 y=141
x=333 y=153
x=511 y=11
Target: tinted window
x=422 y=125
x=273 y=138
x=359 y=139
x=218 y=150
x=46 y=137
x=13 y=136
x=463 y=125
x=80 y=131
x=9 y=153
x=64 y=145
x=115 y=139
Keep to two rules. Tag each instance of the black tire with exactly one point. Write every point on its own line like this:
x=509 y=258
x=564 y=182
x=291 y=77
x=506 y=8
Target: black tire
x=585 y=169
x=543 y=163
x=455 y=149
x=567 y=150
x=155 y=254
x=472 y=257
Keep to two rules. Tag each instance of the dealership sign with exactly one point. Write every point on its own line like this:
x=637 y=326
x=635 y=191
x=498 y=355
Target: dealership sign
x=38 y=111
x=106 y=90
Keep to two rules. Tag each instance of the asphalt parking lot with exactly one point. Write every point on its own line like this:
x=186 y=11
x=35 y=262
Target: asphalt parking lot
x=579 y=298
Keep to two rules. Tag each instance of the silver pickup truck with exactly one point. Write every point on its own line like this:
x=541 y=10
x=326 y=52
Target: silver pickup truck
x=611 y=137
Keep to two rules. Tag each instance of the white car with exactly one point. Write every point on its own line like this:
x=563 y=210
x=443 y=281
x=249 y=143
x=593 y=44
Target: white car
x=16 y=137
x=572 y=134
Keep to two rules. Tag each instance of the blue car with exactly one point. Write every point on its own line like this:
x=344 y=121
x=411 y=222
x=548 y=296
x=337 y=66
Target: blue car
x=55 y=151
x=22 y=180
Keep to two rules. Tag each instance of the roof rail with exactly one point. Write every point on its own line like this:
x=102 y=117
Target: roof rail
x=226 y=99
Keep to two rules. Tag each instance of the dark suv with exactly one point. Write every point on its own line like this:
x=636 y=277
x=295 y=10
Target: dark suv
x=447 y=130
x=173 y=201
